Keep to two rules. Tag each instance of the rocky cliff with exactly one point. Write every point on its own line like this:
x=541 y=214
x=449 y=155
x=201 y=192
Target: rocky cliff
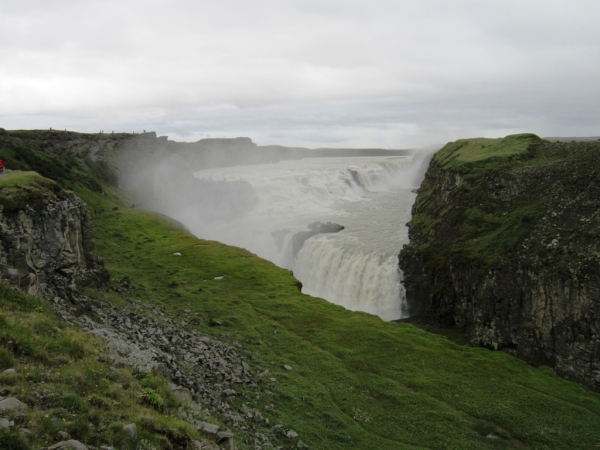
x=505 y=244
x=46 y=238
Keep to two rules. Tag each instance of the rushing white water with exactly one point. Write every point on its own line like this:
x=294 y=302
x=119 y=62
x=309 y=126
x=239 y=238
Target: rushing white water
x=356 y=267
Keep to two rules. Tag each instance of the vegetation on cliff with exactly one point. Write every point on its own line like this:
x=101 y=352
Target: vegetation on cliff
x=357 y=382
x=504 y=244
x=18 y=189
x=483 y=226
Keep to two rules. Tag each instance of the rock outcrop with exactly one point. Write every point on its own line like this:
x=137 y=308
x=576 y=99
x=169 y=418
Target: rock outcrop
x=314 y=228
x=505 y=244
x=46 y=238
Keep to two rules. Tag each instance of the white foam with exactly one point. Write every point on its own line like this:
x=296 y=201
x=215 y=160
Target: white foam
x=356 y=268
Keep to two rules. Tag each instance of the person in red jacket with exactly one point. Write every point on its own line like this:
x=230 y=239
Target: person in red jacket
x=1 y=166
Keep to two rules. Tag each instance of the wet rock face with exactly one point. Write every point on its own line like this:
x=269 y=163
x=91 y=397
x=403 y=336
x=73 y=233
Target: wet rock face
x=47 y=246
x=512 y=256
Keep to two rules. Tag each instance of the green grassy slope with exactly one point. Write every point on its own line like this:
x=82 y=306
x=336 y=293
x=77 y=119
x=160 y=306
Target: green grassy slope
x=68 y=389
x=477 y=150
x=357 y=382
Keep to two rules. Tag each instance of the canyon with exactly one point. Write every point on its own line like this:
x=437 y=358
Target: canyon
x=504 y=245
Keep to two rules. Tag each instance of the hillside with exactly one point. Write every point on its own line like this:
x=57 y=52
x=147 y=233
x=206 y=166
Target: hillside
x=517 y=219
x=311 y=374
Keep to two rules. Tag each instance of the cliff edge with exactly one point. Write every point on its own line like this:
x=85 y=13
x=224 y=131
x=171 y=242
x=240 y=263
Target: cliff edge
x=505 y=244
x=46 y=237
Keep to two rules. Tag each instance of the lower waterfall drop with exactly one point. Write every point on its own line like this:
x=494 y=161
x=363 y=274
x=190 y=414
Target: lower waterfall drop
x=358 y=267
x=350 y=277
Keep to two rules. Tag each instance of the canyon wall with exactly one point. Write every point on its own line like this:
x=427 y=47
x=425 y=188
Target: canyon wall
x=46 y=238
x=505 y=245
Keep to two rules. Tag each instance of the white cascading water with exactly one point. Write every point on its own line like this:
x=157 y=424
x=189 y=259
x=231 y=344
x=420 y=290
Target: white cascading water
x=358 y=267
x=369 y=196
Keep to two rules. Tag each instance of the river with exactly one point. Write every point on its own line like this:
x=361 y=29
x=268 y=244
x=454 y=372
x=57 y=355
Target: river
x=357 y=267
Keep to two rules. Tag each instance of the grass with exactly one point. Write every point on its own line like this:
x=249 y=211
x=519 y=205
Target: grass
x=357 y=382
x=62 y=376
x=484 y=227
x=462 y=153
x=57 y=155
x=14 y=178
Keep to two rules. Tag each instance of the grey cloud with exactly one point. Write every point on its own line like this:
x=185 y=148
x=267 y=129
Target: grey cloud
x=375 y=73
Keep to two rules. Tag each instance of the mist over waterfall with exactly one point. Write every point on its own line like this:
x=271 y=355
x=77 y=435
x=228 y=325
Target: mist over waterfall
x=338 y=222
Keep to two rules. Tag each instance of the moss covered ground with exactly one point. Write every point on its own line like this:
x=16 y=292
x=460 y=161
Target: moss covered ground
x=357 y=382
x=500 y=191
x=69 y=388
x=460 y=154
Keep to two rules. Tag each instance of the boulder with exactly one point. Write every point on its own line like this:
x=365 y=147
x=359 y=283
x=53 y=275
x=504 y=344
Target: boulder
x=70 y=444
x=208 y=427
x=313 y=229
x=12 y=404
x=131 y=430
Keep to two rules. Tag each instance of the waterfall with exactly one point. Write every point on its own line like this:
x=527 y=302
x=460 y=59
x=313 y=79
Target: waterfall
x=347 y=276
x=295 y=221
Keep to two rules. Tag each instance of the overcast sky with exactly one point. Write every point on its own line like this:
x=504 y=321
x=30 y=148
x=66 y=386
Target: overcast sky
x=364 y=73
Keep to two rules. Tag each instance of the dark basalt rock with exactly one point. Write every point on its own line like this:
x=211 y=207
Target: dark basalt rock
x=47 y=243
x=508 y=250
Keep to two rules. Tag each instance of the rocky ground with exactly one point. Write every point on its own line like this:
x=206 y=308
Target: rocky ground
x=205 y=373
x=208 y=375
